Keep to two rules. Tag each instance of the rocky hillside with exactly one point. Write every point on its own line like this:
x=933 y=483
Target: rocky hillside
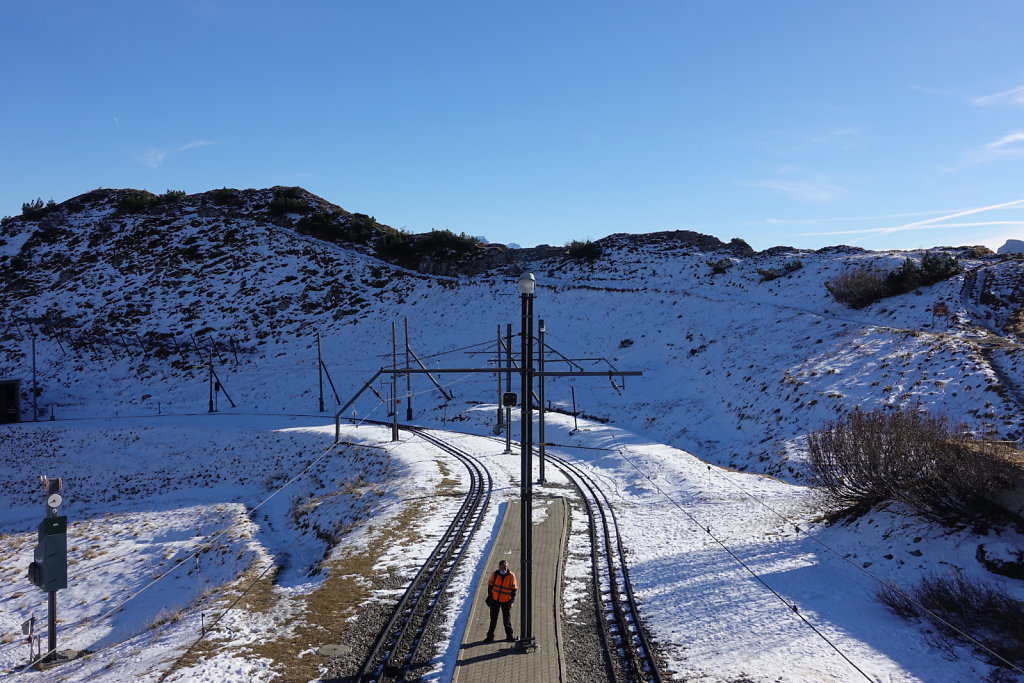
x=743 y=352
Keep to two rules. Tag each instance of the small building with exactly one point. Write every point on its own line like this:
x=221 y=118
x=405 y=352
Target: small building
x=10 y=400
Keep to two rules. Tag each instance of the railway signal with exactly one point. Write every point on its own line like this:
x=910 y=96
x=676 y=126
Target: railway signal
x=49 y=568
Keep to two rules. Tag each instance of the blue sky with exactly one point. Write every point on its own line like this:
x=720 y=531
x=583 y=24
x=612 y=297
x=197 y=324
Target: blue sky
x=894 y=124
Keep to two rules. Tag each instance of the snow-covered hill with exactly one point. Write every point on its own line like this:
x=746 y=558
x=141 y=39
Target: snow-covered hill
x=128 y=305
x=736 y=368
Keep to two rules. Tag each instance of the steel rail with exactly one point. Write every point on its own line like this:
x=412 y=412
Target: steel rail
x=393 y=652
x=483 y=476
x=624 y=637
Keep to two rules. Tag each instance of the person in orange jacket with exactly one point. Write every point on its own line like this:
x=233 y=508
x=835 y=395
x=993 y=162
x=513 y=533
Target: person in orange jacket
x=501 y=593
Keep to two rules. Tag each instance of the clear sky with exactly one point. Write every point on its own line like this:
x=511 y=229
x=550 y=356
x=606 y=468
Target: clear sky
x=879 y=123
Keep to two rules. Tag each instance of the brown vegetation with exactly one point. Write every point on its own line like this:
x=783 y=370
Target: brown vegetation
x=911 y=457
x=978 y=615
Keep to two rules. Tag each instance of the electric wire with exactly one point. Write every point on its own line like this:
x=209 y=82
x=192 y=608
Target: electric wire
x=439 y=353
x=639 y=656
x=814 y=538
x=242 y=594
x=460 y=379
x=463 y=348
x=882 y=582
x=817 y=540
x=200 y=552
x=367 y=416
x=707 y=530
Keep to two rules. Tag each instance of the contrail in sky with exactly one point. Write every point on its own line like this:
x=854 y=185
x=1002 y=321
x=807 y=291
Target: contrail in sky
x=922 y=225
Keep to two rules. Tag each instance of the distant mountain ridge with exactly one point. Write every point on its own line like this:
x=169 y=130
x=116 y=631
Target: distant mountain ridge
x=307 y=213
x=310 y=214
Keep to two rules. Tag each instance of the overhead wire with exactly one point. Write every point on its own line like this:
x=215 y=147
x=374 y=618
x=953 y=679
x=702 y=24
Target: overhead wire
x=882 y=582
x=814 y=538
x=242 y=594
x=707 y=529
x=458 y=350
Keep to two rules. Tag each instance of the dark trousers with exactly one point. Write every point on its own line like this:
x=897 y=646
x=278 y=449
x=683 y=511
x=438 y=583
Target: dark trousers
x=506 y=618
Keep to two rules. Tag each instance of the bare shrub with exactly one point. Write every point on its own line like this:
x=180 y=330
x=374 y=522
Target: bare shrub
x=908 y=456
x=858 y=287
x=584 y=250
x=957 y=608
x=720 y=266
x=768 y=274
x=898 y=602
x=167 y=615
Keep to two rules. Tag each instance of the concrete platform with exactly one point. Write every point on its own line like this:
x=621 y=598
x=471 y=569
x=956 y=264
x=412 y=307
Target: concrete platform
x=481 y=662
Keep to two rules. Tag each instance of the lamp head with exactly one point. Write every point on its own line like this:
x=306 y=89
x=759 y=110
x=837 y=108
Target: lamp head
x=527 y=283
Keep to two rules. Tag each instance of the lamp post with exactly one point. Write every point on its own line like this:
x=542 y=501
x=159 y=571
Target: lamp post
x=527 y=284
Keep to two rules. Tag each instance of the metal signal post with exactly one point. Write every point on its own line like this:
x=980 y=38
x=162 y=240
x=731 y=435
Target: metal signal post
x=49 y=568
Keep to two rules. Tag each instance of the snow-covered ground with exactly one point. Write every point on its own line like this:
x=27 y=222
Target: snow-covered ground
x=175 y=513
x=159 y=534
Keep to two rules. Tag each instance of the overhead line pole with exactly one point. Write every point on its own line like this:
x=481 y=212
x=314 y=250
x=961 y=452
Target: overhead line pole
x=320 y=370
x=394 y=384
x=508 y=383
x=35 y=385
x=497 y=363
x=219 y=385
x=540 y=390
x=210 y=382
x=408 y=377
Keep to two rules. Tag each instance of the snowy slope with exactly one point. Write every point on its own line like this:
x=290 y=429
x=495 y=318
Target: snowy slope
x=128 y=309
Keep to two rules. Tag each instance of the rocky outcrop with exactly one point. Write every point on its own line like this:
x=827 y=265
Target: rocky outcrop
x=675 y=239
x=1012 y=247
x=482 y=259
x=297 y=209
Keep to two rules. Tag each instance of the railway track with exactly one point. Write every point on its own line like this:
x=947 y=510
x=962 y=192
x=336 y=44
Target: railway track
x=628 y=653
x=394 y=651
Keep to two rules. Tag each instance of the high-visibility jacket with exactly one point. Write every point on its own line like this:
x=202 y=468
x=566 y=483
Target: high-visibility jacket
x=502 y=588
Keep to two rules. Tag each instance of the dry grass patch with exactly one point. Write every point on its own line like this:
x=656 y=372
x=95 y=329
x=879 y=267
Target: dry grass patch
x=449 y=485
x=1006 y=453
x=351 y=580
